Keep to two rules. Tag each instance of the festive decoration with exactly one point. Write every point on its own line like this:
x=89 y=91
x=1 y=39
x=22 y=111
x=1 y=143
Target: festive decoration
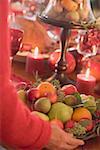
x=87 y=123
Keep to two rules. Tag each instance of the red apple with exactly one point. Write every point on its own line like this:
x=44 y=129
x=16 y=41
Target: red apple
x=33 y=94
x=69 y=89
x=95 y=67
x=55 y=56
x=57 y=122
x=69 y=124
x=88 y=124
x=52 y=97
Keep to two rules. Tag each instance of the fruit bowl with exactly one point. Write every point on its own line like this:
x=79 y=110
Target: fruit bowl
x=68 y=13
x=65 y=107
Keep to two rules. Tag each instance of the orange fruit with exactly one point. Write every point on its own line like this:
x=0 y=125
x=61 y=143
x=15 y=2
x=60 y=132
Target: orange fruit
x=81 y=113
x=69 y=5
x=46 y=88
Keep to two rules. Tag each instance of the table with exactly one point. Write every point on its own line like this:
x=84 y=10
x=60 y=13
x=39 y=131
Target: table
x=18 y=68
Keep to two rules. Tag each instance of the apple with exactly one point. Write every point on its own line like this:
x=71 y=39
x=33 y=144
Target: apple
x=33 y=94
x=55 y=56
x=88 y=124
x=40 y=115
x=52 y=97
x=69 y=124
x=95 y=67
x=22 y=95
x=57 y=122
x=69 y=89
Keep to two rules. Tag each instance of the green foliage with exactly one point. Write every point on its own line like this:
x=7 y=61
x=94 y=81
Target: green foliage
x=77 y=95
x=56 y=83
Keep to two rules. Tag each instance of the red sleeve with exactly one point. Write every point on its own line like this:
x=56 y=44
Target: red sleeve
x=19 y=128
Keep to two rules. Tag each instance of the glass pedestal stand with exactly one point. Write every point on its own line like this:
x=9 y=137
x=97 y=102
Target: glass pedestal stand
x=61 y=67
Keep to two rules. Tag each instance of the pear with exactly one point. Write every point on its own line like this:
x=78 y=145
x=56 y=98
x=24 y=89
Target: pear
x=41 y=115
x=42 y=105
x=22 y=95
x=61 y=112
x=70 y=100
x=90 y=104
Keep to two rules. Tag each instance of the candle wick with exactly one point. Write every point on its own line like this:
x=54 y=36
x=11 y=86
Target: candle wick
x=87 y=73
x=36 y=52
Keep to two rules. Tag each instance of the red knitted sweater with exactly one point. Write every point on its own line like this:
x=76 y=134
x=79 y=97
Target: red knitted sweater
x=18 y=128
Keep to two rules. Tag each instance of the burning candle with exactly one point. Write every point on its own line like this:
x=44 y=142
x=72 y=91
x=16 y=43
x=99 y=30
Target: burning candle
x=36 y=62
x=85 y=82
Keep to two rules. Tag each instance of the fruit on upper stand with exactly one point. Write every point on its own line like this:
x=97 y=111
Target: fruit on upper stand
x=60 y=111
x=69 y=5
x=58 y=8
x=57 y=123
x=22 y=95
x=78 y=1
x=33 y=94
x=40 y=115
x=83 y=16
x=73 y=16
x=70 y=100
x=81 y=113
x=69 y=89
x=42 y=105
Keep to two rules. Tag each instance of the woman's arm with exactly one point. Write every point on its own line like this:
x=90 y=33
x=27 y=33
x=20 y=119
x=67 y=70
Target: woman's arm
x=20 y=129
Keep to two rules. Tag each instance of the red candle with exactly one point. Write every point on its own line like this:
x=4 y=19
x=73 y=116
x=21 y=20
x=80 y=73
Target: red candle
x=85 y=83
x=37 y=63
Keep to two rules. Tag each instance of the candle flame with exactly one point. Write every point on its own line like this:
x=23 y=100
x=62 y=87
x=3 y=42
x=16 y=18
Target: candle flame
x=81 y=5
x=36 y=52
x=87 y=73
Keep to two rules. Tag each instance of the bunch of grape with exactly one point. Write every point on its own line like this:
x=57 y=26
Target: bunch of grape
x=77 y=130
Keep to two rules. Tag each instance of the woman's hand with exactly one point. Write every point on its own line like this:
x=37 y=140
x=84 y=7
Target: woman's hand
x=60 y=140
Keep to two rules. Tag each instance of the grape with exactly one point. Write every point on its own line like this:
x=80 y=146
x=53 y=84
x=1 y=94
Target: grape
x=77 y=130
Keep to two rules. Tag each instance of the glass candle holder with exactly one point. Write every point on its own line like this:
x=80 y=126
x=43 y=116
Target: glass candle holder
x=16 y=36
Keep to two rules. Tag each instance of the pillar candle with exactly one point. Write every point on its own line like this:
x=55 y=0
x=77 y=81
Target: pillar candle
x=85 y=84
x=4 y=42
x=37 y=63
